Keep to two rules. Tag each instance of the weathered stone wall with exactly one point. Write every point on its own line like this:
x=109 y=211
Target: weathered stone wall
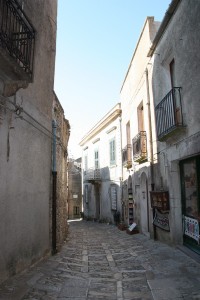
x=180 y=42
x=74 y=189
x=25 y=152
x=62 y=133
x=136 y=91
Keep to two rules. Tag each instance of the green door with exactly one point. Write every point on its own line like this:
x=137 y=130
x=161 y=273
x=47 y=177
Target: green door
x=190 y=185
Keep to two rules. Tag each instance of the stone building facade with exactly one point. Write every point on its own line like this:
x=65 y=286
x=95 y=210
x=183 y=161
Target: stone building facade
x=27 y=59
x=176 y=91
x=161 y=129
x=102 y=168
x=138 y=133
x=62 y=138
x=159 y=147
x=74 y=188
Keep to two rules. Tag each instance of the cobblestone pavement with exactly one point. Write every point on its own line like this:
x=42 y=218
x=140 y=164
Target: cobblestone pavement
x=99 y=261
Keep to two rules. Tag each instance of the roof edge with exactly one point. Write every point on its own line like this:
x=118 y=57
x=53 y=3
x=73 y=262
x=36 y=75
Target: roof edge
x=168 y=15
x=136 y=47
x=109 y=117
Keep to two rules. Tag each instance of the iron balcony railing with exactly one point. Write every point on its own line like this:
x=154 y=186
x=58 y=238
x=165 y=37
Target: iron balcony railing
x=17 y=35
x=140 y=147
x=127 y=156
x=169 y=113
x=92 y=175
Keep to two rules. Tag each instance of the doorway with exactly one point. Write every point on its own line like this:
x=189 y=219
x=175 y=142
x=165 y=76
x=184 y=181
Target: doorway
x=97 y=200
x=144 y=205
x=190 y=195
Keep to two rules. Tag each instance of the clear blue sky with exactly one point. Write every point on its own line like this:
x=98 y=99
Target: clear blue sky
x=95 y=43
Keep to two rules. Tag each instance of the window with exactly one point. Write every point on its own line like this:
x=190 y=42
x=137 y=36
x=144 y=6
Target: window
x=86 y=193
x=112 y=151
x=96 y=159
x=140 y=112
x=172 y=73
x=86 y=161
x=128 y=133
x=176 y=98
x=128 y=138
x=76 y=210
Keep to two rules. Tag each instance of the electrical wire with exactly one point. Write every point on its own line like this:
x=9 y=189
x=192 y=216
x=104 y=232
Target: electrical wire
x=37 y=122
x=22 y=118
x=178 y=142
x=19 y=110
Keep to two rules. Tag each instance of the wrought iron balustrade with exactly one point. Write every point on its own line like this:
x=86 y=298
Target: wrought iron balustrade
x=169 y=113
x=140 y=147
x=17 y=35
x=127 y=156
x=92 y=175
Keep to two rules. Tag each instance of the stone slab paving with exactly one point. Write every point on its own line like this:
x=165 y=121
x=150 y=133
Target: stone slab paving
x=100 y=262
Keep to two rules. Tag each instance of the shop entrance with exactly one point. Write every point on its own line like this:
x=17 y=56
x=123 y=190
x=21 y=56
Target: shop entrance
x=190 y=189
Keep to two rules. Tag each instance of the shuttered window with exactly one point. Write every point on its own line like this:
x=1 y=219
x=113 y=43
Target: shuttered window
x=112 y=152
x=96 y=159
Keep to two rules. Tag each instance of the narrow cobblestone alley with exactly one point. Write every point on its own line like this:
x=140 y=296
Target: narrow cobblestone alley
x=99 y=261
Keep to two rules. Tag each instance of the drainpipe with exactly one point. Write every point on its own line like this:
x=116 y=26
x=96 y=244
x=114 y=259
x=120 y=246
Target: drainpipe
x=121 y=180
x=151 y=146
x=150 y=130
x=54 y=188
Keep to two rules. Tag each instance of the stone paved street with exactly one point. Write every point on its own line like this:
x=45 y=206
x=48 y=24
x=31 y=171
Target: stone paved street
x=99 y=261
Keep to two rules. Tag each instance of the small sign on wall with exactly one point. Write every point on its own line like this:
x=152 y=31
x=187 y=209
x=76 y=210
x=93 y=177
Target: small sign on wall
x=161 y=220
x=75 y=196
x=191 y=228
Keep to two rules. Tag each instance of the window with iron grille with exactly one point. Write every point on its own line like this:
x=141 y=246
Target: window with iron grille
x=17 y=35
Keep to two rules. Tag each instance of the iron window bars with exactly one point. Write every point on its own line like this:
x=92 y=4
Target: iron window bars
x=17 y=35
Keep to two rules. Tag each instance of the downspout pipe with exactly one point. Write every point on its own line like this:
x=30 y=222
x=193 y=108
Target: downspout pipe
x=150 y=130
x=54 y=189
x=121 y=179
x=151 y=146
x=54 y=128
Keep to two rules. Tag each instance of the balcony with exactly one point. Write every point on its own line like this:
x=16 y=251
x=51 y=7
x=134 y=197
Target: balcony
x=140 y=147
x=17 y=37
x=92 y=175
x=169 y=114
x=126 y=156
